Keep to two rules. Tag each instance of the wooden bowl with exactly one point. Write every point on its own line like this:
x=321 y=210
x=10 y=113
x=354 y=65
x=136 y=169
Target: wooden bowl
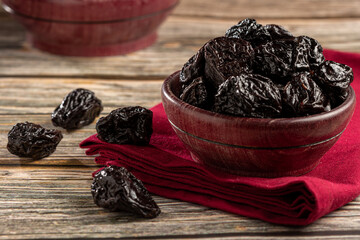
x=90 y=27
x=269 y=147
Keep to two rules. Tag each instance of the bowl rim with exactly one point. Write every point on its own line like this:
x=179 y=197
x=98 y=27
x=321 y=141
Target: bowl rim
x=168 y=93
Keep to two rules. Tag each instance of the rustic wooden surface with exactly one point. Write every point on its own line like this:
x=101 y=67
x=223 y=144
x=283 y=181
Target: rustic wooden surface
x=50 y=198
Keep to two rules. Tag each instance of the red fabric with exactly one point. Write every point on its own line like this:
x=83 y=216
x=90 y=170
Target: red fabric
x=166 y=168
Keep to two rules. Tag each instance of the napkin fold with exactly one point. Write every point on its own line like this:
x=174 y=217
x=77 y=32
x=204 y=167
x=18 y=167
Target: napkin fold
x=167 y=169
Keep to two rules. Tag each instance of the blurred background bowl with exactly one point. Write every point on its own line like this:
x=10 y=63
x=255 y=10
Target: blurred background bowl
x=253 y=146
x=90 y=27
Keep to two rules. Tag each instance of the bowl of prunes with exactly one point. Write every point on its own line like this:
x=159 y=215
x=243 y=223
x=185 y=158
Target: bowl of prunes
x=259 y=102
x=90 y=27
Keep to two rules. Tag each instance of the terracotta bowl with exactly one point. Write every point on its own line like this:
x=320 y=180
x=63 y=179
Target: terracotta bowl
x=253 y=146
x=90 y=27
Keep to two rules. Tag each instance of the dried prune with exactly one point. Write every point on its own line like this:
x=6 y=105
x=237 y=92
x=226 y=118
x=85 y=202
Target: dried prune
x=225 y=57
x=249 y=30
x=79 y=108
x=32 y=140
x=196 y=93
x=274 y=59
x=116 y=189
x=193 y=68
x=128 y=125
x=302 y=96
x=335 y=78
x=307 y=54
x=277 y=32
x=248 y=95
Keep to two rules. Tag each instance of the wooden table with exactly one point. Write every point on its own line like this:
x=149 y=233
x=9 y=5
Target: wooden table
x=50 y=198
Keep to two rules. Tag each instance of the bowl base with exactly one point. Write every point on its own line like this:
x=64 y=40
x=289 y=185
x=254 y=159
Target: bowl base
x=93 y=51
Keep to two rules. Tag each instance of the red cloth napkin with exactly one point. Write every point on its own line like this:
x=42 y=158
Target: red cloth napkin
x=166 y=169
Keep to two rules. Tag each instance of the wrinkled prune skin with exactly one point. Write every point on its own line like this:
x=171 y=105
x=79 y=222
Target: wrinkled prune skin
x=225 y=57
x=117 y=189
x=128 y=125
x=196 y=93
x=277 y=32
x=274 y=59
x=302 y=96
x=307 y=54
x=32 y=140
x=193 y=68
x=249 y=30
x=248 y=95
x=79 y=108
x=335 y=79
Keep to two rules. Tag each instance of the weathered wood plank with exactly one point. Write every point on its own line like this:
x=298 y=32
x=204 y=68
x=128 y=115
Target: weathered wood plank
x=56 y=202
x=43 y=95
x=274 y=9
x=179 y=38
x=263 y=9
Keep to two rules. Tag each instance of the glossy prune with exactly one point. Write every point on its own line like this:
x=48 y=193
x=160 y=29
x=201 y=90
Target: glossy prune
x=128 y=125
x=79 y=108
x=193 y=68
x=302 y=96
x=116 y=189
x=307 y=54
x=335 y=79
x=225 y=57
x=277 y=32
x=196 y=93
x=274 y=59
x=249 y=30
x=32 y=140
x=248 y=95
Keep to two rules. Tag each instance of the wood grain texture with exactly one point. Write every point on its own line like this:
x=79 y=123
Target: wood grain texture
x=58 y=201
x=50 y=198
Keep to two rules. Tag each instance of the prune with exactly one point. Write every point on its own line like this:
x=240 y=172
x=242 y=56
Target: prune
x=32 y=140
x=308 y=54
x=248 y=95
x=249 y=30
x=79 y=108
x=277 y=32
x=302 y=96
x=116 y=189
x=196 y=93
x=225 y=57
x=274 y=59
x=128 y=125
x=335 y=78
x=193 y=68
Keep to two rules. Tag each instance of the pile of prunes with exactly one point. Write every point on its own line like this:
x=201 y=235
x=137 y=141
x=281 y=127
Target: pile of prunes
x=263 y=72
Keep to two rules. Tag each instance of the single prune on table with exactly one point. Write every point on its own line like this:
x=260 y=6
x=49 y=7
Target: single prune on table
x=128 y=125
x=274 y=59
x=116 y=189
x=248 y=95
x=307 y=54
x=79 y=108
x=335 y=79
x=249 y=30
x=225 y=57
x=32 y=140
x=196 y=93
x=302 y=96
